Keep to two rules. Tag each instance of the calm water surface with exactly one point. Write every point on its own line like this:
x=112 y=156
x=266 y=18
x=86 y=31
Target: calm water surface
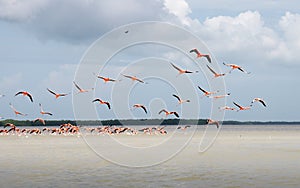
x=242 y=156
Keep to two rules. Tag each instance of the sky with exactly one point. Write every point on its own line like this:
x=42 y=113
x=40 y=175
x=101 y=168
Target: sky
x=43 y=43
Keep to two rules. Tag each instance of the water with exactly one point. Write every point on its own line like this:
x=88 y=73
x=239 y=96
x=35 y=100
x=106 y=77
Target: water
x=242 y=156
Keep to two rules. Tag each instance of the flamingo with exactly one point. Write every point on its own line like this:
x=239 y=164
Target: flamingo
x=57 y=95
x=242 y=107
x=15 y=111
x=9 y=125
x=106 y=79
x=80 y=89
x=183 y=128
x=234 y=66
x=40 y=120
x=140 y=106
x=169 y=112
x=259 y=100
x=219 y=96
x=226 y=108
x=211 y=122
x=25 y=93
x=207 y=56
x=102 y=102
x=216 y=75
x=207 y=93
x=181 y=71
x=180 y=101
x=134 y=78
x=43 y=112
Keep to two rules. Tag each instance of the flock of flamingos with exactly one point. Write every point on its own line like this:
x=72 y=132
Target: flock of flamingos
x=10 y=128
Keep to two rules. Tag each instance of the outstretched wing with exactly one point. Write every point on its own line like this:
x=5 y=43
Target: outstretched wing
x=202 y=89
x=177 y=68
x=96 y=100
x=144 y=108
x=108 y=105
x=20 y=92
x=163 y=110
x=30 y=97
x=211 y=70
x=176 y=97
x=195 y=51
x=176 y=114
x=77 y=86
x=237 y=105
x=51 y=91
x=208 y=58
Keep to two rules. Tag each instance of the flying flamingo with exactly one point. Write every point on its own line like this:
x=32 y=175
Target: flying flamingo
x=43 y=112
x=259 y=100
x=207 y=56
x=140 y=106
x=25 y=93
x=219 y=96
x=168 y=112
x=106 y=79
x=216 y=75
x=181 y=71
x=134 y=78
x=207 y=93
x=80 y=89
x=211 y=122
x=15 y=111
x=40 y=120
x=102 y=102
x=57 y=95
x=242 y=107
x=234 y=66
x=180 y=101
x=226 y=108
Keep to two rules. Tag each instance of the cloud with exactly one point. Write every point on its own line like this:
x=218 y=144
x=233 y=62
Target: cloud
x=180 y=9
x=18 y=11
x=77 y=20
x=247 y=36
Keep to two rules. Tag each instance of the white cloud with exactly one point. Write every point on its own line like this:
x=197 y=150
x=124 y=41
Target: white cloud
x=180 y=9
x=77 y=20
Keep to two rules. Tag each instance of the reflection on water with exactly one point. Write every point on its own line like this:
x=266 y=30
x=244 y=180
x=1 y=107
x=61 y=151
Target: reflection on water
x=242 y=156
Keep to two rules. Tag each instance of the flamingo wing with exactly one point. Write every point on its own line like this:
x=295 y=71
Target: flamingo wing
x=202 y=89
x=144 y=108
x=195 y=51
x=96 y=100
x=211 y=70
x=176 y=114
x=20 y=92
x=108 y=105
x=163 y=110
x=178 y=98
x=177 y=68
x=52 y=92
x=77 y=86
x=237 y=105
x=208 y=58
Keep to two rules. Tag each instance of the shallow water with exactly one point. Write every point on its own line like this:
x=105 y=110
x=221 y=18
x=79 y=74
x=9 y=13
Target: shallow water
x=241 y=156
